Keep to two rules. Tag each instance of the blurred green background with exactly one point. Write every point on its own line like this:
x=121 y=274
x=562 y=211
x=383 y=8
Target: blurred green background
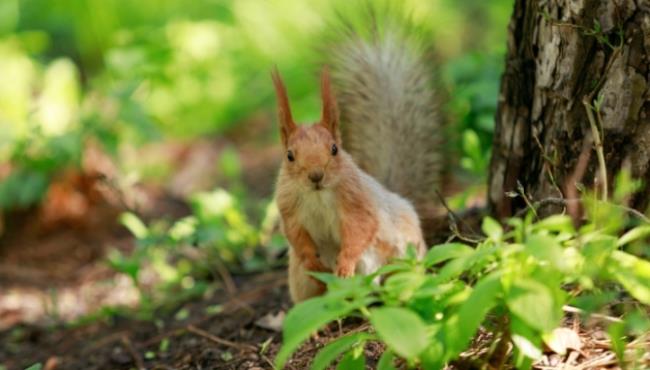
x=176 y=96
x=127 y=72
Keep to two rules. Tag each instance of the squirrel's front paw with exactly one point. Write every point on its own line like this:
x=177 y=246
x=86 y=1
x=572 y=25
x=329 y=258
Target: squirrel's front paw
x=345 y=271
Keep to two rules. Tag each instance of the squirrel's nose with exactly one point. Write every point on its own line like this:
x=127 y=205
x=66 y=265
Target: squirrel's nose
x=315 y=176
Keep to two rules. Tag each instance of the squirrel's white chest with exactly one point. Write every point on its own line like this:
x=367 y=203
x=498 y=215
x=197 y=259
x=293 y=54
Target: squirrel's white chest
x=318 y=215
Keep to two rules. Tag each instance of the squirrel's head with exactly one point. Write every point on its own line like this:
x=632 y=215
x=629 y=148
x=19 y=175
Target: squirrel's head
x=312 y=155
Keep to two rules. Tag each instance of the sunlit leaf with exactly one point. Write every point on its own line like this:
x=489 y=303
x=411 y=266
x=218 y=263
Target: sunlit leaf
x=134 y=224
x=335 y=348
x=556 y=223
x=636 y=233
x=546 y=249
x=533 y=303
x=444 y=252
x=306 y=318
x=386 y=361
x=353 y=360
x=492 y=229
x=633 y=273
x=526 y=346
x=402 y=330
x=472 y=312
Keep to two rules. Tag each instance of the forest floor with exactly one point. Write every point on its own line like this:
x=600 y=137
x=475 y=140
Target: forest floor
x=53 y=270
x=225 y=330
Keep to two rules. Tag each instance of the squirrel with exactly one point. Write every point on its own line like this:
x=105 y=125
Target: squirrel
x=346 y=195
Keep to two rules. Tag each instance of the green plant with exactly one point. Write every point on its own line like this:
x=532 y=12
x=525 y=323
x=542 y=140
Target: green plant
x=473 y=81
x=215 y=239
x=513 y=284
x=46 y=120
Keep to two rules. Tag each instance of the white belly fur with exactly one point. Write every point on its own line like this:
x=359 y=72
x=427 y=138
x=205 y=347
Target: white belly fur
x=317 y=214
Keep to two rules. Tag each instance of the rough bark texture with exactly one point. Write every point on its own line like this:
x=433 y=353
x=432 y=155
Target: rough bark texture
x=560 y=52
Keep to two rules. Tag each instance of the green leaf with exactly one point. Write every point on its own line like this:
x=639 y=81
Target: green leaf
x=353 y=360
x=634 y=234
x=325 y=277
x=444 y=252
x=482 y=254
x=472 y=312
x=386 y=361
x=230 y=164
x=534 y=304
x=307 y=317
x=526 y=346
x=616 y=333
x=625 y=185
x=526 y=339
x=556 y=223
x=134 y=224
x=333 y=349
x=402 y=285
x=36 y=366
x=402 y=330
x=633 y=273
x=472 y=144
x=491 y=228
x=546 y=249
x=433 y=357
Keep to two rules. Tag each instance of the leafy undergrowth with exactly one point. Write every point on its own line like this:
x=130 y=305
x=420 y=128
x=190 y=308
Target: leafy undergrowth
x=497 y=304
x=514 y=285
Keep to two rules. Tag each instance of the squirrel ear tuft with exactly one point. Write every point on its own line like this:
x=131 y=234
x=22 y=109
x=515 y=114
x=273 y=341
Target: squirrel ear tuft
x=287 y=125
x=330 y=117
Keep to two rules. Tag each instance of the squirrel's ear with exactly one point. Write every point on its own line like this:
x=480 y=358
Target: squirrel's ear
x=287 y=125
x=330 y=118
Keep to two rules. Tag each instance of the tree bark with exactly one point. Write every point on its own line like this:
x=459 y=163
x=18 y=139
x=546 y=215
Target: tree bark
x=561 y=53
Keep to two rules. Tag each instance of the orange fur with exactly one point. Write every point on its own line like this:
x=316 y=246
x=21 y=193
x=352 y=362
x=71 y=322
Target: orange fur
x=358 y=225
x=334 y=216
x=303 y=245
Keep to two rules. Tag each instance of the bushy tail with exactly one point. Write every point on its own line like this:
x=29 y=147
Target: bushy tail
x=389 y=112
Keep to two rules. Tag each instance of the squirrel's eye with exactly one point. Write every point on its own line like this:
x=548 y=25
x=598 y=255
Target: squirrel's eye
x=334 y=149
x=290 y=156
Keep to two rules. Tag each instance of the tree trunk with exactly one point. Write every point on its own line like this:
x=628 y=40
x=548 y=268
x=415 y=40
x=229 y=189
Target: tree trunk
x=562 y=53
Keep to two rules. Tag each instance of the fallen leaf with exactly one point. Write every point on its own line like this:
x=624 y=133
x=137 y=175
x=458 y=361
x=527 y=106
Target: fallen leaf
x=271 y=321
x=52 y=363
x=563 y=339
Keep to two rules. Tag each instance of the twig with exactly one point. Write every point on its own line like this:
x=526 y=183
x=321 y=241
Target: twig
x=120 y=195
x=571 y=190
x=104 y=341
x=500 y=354
x=586 y=101
x=453 y=224
x=223 y=272
x=268 y=361
x=129 y=347
x=215 y=339
x=160 y=337
x=599 y=362
x=571 y=309
x=600 y=83
x=548 y=164
x=595 y=132
x=524 y=196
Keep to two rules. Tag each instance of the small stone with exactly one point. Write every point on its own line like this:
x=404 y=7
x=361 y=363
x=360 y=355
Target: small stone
x=120 y=357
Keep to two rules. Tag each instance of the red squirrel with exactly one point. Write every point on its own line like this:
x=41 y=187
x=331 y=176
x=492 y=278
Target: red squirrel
x=350 y=212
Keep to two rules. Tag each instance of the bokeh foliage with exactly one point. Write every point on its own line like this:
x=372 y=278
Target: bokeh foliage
x=125 y=72
x=120 y=73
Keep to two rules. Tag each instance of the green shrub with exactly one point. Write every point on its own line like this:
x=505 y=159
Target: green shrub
x=513 y=284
